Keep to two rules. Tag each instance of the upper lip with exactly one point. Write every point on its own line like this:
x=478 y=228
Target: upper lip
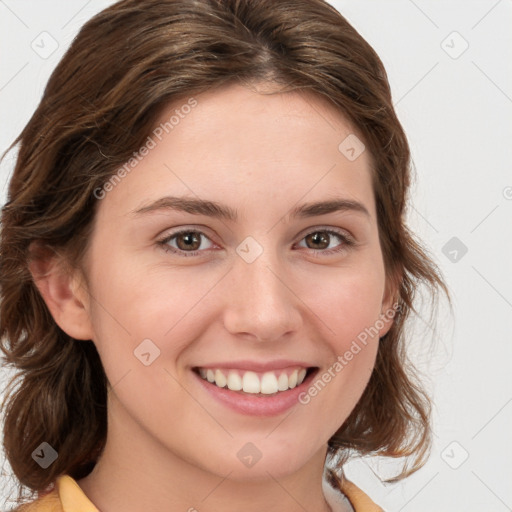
x=255 y=366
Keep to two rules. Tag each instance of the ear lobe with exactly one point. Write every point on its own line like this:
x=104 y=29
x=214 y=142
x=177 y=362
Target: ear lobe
x=390 y=305
x=61 y=290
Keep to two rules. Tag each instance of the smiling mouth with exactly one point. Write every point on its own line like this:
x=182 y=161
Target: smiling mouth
x=256 y=383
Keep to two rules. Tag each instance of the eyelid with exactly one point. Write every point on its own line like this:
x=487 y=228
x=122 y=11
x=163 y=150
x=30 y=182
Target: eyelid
x=203 y=229
x=196 y=228
x=331 y=229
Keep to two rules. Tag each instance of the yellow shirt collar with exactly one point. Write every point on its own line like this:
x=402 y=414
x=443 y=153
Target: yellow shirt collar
x=73 y=499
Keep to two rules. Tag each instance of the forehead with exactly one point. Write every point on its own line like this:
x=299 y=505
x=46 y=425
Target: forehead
x=257 y=110
x=248 y=144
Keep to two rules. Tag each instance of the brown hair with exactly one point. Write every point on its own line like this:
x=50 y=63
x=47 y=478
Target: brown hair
x=126 y=64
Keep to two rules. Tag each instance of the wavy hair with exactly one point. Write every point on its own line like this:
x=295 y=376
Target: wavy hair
x=124 y=67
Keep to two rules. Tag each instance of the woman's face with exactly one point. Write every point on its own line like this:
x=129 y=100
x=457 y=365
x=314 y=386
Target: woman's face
x=260 y=288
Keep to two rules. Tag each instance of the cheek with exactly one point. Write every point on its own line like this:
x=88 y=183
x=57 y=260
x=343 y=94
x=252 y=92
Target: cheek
x=348 y=304
x=132 y=303
x=348 y=308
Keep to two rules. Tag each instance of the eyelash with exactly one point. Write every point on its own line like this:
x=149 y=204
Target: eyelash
x=347 y=240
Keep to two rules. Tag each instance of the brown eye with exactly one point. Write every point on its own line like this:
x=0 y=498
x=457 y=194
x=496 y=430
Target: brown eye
x=188 y=240
x=185 y=243
x=324 y=241
x=318 y=239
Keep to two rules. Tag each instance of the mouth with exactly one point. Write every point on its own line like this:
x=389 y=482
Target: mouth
x=248 y=382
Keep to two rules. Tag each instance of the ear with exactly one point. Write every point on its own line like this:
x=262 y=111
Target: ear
x=62 y=290
x=390 y=304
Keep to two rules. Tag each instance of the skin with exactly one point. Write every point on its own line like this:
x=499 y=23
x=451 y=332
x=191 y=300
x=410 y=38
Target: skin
x=169 y=445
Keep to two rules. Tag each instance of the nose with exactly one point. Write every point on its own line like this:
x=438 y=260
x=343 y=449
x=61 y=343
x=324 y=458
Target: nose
x=260 y=303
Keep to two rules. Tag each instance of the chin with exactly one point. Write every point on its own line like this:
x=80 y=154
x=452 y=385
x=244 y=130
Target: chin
x=263 y=459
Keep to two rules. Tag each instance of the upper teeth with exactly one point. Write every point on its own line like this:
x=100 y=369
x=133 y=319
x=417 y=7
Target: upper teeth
x=251 y=382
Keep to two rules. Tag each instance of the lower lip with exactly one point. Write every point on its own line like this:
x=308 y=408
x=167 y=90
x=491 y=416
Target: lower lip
x=257 y=405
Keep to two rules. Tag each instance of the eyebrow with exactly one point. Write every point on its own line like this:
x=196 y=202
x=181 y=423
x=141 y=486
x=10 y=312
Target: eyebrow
x=220 y=211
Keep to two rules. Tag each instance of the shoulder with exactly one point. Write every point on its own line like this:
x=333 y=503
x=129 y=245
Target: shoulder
x=66 y=495
x=48 y=503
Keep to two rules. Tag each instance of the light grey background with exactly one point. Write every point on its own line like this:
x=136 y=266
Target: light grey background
x=455 y=104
